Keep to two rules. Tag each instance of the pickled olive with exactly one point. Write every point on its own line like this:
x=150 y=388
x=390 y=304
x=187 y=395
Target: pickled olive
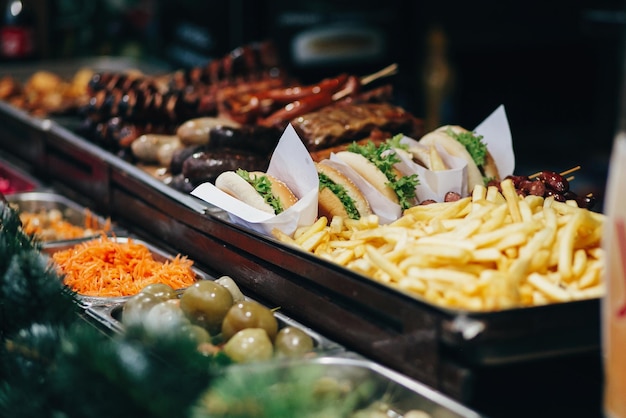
x=232 y=287
x=206 y=303
x=292 y=342
x=249 y=345
x=249 y=314
x=415 y=413
x=165 y=317
x=136 y=308
x=160 y=291
x=196 y=333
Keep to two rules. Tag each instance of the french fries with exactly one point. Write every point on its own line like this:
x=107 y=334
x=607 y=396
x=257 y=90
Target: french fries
x=490 y=251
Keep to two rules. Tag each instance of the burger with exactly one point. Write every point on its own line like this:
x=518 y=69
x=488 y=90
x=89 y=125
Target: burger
x=257 y=189
x=459 y=142
x=338 y=195
x=377 y=165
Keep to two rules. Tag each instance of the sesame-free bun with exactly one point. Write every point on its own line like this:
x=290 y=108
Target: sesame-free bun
x=232 y=183
x=474 y=174
x=369 y=172
x=280 y=190
x=329 y=204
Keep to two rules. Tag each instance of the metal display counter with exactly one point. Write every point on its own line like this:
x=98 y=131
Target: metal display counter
x=457 y=352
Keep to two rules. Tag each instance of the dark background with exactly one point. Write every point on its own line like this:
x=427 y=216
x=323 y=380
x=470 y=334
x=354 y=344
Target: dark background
x=556 y=66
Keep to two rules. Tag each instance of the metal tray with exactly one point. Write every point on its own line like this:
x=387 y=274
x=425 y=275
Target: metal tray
x=158 y=254
x=394 y=392
x=73 y=212
x=110 y=316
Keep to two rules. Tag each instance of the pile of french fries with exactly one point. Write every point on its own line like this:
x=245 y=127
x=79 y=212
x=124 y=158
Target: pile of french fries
x=489 y=251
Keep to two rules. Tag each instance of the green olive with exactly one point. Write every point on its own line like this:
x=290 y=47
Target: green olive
x=249 y=345
x=196 y=333
x=164 y=317
x=161 y=291
x=249 y=314
x=136 y=308
x=292 y=342
x=232 y=287
x=206 y=303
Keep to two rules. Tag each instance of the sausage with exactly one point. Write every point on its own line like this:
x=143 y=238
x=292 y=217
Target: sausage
x=247 y=108
x=197 y=131
x=451 y=197
x=206 y=165
x=180 y=155
x=147 y=148
x=257 y=139
x=294 y=109
x=290 y=94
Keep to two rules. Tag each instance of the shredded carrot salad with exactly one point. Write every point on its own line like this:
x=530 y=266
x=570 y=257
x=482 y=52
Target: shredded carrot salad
x=108 y=268
x=52 y=226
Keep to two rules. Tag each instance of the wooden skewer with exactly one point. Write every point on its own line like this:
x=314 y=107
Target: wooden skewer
x=570 y=178
x=571 y=170
x=563 y=173
x=365 y=80
x=385 y=72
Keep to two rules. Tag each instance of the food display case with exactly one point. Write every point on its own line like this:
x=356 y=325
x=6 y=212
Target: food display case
x=450 y=350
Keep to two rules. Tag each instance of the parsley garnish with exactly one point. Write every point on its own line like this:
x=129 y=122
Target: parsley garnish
x=263 y=186
x=342 y=194
x=384 y=158
x=473 y=143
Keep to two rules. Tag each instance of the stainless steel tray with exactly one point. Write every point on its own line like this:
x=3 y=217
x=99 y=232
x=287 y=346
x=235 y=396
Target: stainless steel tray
x=72 y=212
x=157 y=253
x=109 y=315
x=394 y=393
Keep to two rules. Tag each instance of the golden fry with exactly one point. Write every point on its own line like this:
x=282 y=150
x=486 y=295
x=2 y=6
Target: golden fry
x=512 y=199
x=318 y=226
x=492 y=250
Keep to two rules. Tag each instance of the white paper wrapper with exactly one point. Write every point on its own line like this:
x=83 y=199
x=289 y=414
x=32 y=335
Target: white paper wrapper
x=497 y=135
x=292 y=163
x=435 y=184
x=386 y=210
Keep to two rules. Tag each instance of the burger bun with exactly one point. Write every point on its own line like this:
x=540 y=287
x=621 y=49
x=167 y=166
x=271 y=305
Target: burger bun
x=369 y=172
x=232 y=183
x=329 y=204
